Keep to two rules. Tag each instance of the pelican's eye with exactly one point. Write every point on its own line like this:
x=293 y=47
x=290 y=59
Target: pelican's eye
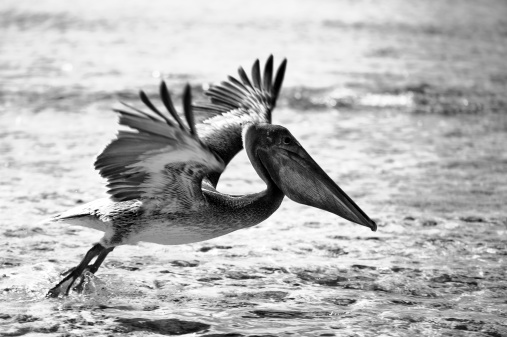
x=287 y=140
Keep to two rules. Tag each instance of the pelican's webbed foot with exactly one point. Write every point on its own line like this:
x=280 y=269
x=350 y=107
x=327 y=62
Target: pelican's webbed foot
x=63 y=288
x=81 y=272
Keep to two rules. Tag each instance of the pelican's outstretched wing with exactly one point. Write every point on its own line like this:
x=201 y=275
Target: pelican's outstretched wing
x=159 y=158
x=236 y=102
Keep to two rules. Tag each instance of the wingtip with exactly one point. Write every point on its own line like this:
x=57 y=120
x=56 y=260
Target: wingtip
x=187 y=108
x=256 y=74
x=244 y=77
x=166 y=99
x=268 y=74
x=279 y=77
x=163 y=87
x=187 y=96
x=284 y=63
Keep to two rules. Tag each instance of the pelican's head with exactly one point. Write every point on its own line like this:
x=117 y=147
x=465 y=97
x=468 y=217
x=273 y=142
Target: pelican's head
x=277 y=156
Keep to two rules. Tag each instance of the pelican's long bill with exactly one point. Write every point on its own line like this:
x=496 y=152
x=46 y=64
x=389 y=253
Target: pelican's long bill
x=300 y=178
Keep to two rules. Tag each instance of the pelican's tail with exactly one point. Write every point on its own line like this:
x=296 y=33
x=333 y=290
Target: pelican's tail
x=92 y=215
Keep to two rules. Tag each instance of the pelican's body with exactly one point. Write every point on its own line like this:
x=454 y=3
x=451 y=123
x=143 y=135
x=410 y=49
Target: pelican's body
x=128 y=222
x=162 y=174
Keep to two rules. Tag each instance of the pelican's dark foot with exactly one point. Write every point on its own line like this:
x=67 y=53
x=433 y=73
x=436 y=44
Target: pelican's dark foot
x=81 y=273
x=72 y=282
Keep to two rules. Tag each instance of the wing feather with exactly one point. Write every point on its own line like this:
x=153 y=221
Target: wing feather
x=256 y=75
x=236 y=102
x=187 y=107
x=166 y=99
x=158 y=159
x=234 y=82
x=225 y=95
x=244 y=77
x=268 y=73
x=280 y=74
x=150 y=105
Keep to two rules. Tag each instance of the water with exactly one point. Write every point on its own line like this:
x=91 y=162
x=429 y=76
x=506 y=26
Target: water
x=401 y=102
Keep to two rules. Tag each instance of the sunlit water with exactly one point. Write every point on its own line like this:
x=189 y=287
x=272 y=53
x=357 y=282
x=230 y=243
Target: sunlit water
x=401 y=102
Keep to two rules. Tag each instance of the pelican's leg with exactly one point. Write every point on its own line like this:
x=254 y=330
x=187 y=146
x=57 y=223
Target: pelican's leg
x=77 y=271
x=102 y=256
x=93 y=268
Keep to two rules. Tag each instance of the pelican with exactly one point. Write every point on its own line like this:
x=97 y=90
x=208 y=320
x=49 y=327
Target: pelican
x=162 y=173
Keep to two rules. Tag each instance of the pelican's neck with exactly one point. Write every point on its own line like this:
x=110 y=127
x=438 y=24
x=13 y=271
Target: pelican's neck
x=249 y=209
x=272 y=196
x=241 y=211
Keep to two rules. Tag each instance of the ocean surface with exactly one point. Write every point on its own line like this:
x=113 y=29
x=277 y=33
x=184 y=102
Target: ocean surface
x=402 y=103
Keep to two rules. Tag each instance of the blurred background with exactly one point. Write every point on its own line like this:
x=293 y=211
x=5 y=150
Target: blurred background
x=403 y=103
